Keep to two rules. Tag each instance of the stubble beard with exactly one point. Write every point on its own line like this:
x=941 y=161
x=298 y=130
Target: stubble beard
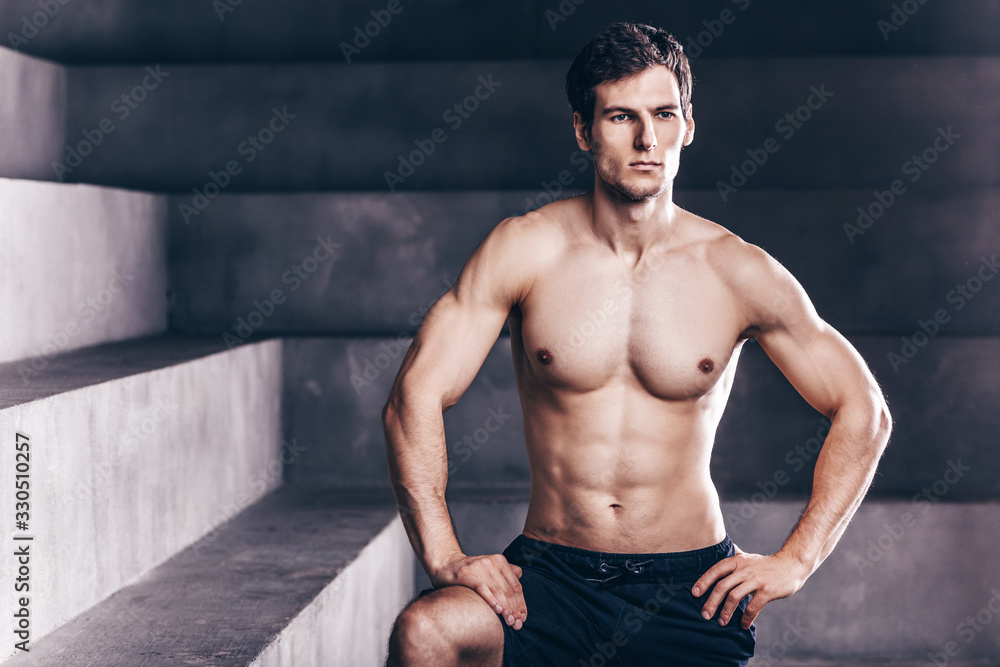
x=627 y=193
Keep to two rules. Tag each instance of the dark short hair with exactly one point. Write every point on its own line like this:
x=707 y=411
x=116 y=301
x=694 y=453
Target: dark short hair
x=620 y=51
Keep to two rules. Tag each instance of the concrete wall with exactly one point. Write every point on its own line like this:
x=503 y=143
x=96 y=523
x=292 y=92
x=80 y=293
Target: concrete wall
x=882 y=111
x=32 y=115
x=79 y=265
x=117 y=31
x=398 y=253
x=126 y=472
x=888 y=592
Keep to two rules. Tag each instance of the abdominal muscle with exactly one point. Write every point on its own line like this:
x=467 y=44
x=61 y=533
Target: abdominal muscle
x=622 y=476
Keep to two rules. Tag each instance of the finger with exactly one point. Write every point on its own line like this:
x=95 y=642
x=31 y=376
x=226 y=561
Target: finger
x=722 y=568
x=487 y=594
x=732 y=601
x=504 y=591
x=720 y=591
x=753 y=608
x=517 y=570
x=520 y=610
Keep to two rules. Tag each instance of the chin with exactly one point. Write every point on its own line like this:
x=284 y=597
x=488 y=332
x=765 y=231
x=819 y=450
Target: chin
x=636 y=192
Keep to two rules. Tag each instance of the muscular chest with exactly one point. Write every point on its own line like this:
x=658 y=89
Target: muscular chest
x=672 y=328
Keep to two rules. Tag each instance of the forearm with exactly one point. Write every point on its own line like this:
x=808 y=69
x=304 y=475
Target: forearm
x=844 y=472
x=418 y=472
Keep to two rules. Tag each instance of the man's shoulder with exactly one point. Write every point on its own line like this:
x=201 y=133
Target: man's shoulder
x=737 y=261
x=541 y=232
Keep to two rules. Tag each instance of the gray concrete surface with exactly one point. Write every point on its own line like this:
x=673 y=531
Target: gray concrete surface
x=517 y=132
x=885 y=595
x=399 y=252
x=117 y=31
x=20 y=382
x=349 y=622
x=274 y=586
x=79 y=265
x=135 y=465
x=32 y=115
x=942 y=402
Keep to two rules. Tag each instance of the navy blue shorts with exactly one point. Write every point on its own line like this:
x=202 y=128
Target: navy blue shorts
x=587 y=608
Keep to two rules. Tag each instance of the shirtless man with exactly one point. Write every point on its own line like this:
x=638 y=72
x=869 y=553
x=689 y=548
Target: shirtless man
x=624 y=558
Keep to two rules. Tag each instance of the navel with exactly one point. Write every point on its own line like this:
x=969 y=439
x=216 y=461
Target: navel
x=706 y=365
x=544 y=356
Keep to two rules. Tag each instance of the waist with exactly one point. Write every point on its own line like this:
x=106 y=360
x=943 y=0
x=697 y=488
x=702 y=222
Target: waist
x=606 y=567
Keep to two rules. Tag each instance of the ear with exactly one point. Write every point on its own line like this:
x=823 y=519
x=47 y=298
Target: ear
x=689 y=135
x=583 y=139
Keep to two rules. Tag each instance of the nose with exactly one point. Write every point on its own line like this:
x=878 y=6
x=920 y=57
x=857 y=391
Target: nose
x=645 y=140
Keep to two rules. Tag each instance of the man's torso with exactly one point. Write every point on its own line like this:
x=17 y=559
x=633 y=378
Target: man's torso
x=624 y=366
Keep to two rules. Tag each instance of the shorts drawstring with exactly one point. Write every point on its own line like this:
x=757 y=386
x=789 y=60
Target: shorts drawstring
x=605 y=567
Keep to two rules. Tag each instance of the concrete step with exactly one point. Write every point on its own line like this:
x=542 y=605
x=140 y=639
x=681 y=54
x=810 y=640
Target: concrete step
x=293 y=580
x=302 y=30
x=767 y=441
x=134 y=450
x=397 y=253
x=32 y=114
x=867 y=604
x=255 y=127
x=80 y=265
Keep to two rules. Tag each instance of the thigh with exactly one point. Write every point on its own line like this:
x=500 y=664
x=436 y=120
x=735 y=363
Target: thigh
x=564 y=620
x=465 y=620
x=663 y=625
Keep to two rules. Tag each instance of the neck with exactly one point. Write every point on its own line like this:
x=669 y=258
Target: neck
x=630 y=228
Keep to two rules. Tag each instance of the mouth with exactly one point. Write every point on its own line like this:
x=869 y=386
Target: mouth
x=644 y=166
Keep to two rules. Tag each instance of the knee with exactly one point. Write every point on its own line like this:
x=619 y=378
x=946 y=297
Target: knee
x=417 y=638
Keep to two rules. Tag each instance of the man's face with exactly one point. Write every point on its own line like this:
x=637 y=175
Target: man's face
x=637 y=133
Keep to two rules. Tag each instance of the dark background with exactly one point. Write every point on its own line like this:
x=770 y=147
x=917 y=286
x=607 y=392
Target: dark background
x=229 y=67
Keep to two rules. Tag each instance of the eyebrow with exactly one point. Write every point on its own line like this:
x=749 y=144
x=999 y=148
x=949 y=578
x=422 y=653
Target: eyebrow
x=662 y=107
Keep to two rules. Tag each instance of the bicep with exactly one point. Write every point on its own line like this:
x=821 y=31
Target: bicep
x=821 y=364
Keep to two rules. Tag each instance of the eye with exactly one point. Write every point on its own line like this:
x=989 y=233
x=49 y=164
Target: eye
x=666 y=115
x=619 y=118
